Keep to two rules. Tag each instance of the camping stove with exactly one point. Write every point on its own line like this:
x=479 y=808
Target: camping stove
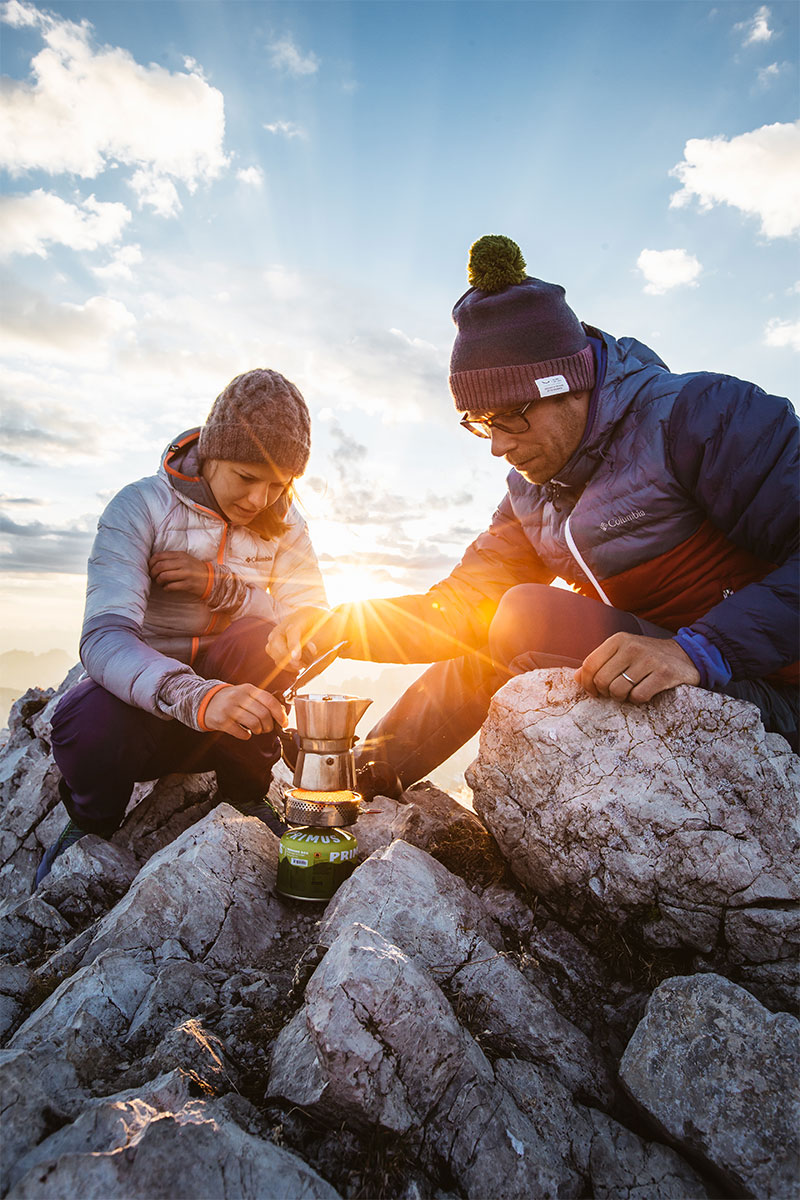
x=317 y=855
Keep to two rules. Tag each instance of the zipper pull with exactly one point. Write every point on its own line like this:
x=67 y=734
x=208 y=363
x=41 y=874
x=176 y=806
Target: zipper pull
x=552 y=491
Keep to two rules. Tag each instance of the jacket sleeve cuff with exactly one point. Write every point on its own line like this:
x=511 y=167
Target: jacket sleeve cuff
x=226 y=591
x=712 y=665
x=186 y=697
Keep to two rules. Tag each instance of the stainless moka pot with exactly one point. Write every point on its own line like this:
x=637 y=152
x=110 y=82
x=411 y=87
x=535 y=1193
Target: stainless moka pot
x=326 y=729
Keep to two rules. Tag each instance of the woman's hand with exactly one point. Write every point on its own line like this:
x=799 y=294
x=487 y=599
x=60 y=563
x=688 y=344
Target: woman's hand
x=312 y=629
x=627 y=666
x=175 y=571
x=243 y=710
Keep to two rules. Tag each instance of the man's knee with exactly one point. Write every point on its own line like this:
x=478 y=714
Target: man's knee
x=554 y=622
x=523 y=616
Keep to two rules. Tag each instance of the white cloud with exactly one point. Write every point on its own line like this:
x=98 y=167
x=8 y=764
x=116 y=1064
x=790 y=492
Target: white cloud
x=757 y=172
x=28 y=224
x=287 y=129
x=666 y=269
x=768 y=75
x=34 y=431
x=756 y=29
x=252 y=176
x=783 y=333
x=157 y=190
x=89 y=107
x=34 y=326
x=121 y=265
x=285 y=56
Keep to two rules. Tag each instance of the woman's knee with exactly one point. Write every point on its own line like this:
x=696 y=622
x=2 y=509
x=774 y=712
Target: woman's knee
x=94 y=732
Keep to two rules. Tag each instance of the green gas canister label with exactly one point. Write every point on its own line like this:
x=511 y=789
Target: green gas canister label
x=313 y=862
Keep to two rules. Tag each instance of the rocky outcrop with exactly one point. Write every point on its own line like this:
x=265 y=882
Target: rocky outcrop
x=718 y=1073
x=470 y=1016
x=378 y=1042
x=678 y=821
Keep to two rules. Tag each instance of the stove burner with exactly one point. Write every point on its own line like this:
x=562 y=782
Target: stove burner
x=306 y=807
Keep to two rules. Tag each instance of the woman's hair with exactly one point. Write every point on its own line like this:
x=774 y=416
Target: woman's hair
x=272 y=521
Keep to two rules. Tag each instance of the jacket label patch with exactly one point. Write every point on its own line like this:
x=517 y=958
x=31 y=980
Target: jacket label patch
x=615 y=522
x=552 y=385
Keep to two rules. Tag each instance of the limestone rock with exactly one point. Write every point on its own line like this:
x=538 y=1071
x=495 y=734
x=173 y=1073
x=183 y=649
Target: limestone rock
x=427 y=817
x=38 y=1094
x=613 y=1161
x=717 y=1071
x=209 y=895
x=85 y=882
x=121 y=1149
x=16 y=984
x=32 y=816
x=162 y=810
x=621 y=1164
x=671 y=815
x=451 y=833
x=161 y=956
x=513 y=1016
x=439 y=1028
x=378 y=1042
x=416 y=904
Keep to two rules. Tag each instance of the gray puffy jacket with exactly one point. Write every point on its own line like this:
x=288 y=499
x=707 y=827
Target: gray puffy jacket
x=138 y=640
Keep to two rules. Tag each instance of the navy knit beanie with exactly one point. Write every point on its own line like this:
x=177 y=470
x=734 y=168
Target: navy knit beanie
x=517 y=338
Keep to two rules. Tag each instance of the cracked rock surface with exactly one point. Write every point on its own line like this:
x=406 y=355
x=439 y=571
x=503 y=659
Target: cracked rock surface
x=451 y=1026
x=719 y=1073
x=680 y=817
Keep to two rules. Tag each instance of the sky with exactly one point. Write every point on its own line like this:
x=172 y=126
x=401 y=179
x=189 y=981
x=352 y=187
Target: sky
x=193 y=189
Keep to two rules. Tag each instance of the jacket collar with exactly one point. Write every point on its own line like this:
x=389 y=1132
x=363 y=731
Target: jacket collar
x=623 y=366
x=181 y=467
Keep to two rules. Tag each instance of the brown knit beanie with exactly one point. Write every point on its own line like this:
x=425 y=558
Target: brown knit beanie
x=517 y=338
x=259 y=417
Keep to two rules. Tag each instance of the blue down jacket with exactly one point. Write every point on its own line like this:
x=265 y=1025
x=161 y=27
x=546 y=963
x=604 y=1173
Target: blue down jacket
x=680 y=505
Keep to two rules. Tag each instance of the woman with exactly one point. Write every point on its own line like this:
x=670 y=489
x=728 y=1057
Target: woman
x=189 y=572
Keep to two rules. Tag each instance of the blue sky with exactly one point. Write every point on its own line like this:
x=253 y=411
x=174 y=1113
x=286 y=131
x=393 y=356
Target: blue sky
x=194 y=189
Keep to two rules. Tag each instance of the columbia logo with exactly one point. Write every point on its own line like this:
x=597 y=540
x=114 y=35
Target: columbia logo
x=615 y=522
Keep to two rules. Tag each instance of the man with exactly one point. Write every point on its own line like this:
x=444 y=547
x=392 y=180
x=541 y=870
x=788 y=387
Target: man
x=668 y=502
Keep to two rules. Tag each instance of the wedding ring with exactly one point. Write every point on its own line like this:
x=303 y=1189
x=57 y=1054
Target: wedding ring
x=625 y=676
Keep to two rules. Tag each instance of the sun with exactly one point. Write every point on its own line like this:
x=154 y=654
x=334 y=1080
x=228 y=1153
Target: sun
x=345 y=583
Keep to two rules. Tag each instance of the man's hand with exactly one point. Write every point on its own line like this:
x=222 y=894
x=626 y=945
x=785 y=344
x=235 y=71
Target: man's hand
x=303 y=636
x=628 y=666
x=177 y=572
x=243 y=710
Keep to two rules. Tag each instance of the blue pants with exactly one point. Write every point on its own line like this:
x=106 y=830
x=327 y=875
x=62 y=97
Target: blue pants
x=103 y=746
x=535 y=626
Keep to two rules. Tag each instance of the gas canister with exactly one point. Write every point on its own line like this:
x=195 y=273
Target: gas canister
x=313 y=862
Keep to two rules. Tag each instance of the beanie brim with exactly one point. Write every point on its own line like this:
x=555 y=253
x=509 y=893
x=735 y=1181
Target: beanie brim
x=498 y=389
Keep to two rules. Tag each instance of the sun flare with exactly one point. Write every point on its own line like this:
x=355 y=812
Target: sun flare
x=347 y=583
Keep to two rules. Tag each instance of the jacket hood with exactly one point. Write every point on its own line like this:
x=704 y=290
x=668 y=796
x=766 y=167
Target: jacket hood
x=181 y=467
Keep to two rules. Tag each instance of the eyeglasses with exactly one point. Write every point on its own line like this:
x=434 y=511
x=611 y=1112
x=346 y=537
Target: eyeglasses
x=509 y=422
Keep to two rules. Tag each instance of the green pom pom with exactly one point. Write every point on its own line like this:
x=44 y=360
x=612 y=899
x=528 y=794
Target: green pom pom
x=495 y=262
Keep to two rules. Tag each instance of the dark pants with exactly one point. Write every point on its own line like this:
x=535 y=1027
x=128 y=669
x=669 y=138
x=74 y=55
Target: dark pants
x=103 y=746
x=535 y=626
